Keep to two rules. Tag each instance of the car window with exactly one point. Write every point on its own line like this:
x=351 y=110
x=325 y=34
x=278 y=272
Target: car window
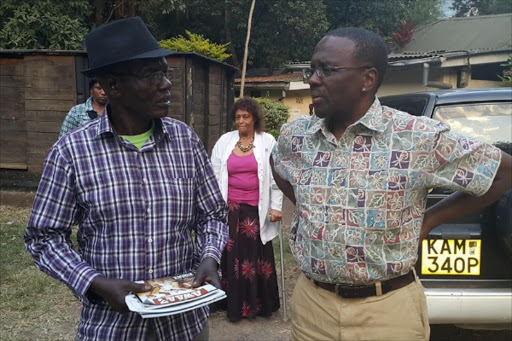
x=412 y=106
x=488 y=122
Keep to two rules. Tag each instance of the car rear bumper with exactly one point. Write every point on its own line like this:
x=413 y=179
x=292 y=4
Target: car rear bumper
x=469 y=306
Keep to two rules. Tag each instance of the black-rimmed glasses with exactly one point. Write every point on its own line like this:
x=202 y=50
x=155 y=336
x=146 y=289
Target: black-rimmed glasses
x=154 y=77
x=325 y=71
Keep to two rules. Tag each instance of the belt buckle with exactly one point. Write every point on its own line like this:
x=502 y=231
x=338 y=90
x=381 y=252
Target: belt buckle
x=338 y=292
x=336 y=287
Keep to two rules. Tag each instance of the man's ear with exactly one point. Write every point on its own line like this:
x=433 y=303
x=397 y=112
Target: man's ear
x=370 y=79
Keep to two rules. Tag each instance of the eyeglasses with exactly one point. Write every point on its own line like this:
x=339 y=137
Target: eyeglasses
x=154 y=77
x=325 y=71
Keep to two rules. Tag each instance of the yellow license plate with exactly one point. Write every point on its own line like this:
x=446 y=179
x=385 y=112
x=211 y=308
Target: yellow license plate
x=451 y=257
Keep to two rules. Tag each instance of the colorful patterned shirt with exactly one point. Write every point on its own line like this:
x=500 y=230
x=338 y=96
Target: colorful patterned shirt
x=136 y=211
x=361 y=200
x=77 y=116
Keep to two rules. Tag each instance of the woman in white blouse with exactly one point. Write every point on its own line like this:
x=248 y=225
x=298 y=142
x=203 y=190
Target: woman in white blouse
x=240 y=160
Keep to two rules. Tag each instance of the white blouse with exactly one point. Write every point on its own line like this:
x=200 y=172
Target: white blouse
x=270 y=195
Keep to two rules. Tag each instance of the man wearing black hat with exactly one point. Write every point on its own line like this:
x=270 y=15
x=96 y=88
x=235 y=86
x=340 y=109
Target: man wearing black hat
x=137 y=183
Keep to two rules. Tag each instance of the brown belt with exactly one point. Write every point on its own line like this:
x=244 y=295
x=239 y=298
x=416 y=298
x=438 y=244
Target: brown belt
x=361 y=291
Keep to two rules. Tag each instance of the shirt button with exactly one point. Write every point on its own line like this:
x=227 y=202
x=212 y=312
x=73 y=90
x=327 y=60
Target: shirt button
x=150 y=240
x=144 y=181
x=150 y=271
x=148 y=210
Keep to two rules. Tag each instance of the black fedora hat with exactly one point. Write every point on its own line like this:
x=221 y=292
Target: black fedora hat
x=120 y=41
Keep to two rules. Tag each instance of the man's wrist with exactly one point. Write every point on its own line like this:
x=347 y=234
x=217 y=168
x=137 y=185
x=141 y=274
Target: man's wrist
x=210 y=261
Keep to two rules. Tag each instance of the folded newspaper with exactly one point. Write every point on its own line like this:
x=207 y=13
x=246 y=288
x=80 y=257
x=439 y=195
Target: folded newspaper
x=172 y=295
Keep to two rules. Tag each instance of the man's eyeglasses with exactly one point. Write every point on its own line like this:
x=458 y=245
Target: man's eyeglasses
x=154 y=77
x=325 y=71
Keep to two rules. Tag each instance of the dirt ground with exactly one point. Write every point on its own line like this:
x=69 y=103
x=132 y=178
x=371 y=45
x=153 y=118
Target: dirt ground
x=261 y=328
x=14 y=191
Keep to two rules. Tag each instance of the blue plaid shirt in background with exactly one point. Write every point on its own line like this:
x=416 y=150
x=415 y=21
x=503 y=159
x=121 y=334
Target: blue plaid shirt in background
x=78 y=115
x=136 y=211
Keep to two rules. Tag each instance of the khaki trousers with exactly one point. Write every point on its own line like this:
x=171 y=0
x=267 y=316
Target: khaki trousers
x=318 y=314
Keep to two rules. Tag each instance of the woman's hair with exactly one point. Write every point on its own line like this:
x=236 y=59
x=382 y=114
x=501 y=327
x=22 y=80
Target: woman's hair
x=252 y=107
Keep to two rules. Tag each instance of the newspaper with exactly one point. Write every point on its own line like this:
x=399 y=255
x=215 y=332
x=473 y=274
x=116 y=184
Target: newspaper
x=172 y=295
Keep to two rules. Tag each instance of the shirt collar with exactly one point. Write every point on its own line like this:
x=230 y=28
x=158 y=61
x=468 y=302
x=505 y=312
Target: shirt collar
x=88 y=105
x=105 y=127
x=372 y=119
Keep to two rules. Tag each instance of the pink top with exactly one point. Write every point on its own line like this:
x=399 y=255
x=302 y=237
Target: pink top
x=243 y=184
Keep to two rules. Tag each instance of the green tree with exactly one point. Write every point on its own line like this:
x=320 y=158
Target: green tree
x=285 y=31
x=282 y=30
x=197 y=43
x=151 y=11
x=43 y=24
x=465 y=8
x=382 y=17
x=424 y=12
x=275 y=113
x=506 y=77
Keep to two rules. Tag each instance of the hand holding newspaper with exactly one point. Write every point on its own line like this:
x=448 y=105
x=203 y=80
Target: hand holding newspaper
x=172 y=295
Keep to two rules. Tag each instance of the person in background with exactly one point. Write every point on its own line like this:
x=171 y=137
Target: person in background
x=84 y=112
x=240 y=161
x=141 y=189
x=359 y=174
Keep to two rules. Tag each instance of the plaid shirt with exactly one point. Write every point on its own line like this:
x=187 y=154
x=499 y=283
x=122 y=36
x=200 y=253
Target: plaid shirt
x=78 y=115
x=361 y=200
x=136 y=212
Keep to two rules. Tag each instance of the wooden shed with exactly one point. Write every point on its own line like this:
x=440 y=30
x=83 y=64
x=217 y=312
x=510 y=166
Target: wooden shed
x=38 y=87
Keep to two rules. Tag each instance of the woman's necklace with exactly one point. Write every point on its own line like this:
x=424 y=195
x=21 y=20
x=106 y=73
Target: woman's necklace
x=245 y=149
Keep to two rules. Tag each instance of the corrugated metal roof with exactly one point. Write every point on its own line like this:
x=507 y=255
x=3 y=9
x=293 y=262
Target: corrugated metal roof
x=486 y=32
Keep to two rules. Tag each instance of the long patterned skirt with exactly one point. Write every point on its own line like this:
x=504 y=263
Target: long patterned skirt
x=248 y=267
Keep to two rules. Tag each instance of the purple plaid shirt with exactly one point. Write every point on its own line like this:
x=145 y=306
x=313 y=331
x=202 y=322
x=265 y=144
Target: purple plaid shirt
x=136 y=211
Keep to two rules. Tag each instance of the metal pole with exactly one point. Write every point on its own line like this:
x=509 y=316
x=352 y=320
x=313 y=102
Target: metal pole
x=283 y=288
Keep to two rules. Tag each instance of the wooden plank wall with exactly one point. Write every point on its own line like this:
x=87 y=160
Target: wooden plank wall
x=37 y=91
x=200 y=96
x=177 y=64
x=13 y=137
x=198 y=119
x=217 y=113
x=50 y=91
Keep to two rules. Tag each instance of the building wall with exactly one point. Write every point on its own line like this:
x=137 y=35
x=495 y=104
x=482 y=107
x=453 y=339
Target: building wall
x=395 y=82
x=37 y=93
x=13 y=137
x=298 y=101
x=476 y=83
x=404 y=81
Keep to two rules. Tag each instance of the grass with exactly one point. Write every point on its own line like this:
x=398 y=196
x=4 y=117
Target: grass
x=33 y=306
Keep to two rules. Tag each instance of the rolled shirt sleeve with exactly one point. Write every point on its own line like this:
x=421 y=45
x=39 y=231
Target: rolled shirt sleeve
x=282 y=151
x=462 y=163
